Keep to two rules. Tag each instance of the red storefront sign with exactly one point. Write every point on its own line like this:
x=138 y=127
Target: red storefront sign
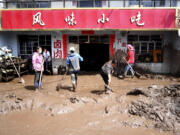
x=53 y=19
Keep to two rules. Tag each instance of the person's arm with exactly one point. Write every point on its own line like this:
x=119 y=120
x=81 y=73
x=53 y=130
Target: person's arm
x=48 y=53
x=80 y=58
x=67 y=61
x=34 y=61
x=42 y=63
x=128 y=58
x=109 y=76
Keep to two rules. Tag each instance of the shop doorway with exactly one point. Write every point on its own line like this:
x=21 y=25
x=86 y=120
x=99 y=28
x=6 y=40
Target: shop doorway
x=94 y=54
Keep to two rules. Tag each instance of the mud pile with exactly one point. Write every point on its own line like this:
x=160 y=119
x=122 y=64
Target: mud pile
x=10 y=102
x=161 y=104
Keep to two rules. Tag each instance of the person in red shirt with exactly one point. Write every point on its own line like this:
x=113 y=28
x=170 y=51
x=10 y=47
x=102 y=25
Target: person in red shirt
x=130 y=60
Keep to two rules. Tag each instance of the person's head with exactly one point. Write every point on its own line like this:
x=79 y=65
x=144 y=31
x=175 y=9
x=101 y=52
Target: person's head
x=45 y=50
x=72 y=49
x=130 y=47
x=39 y=50
x=114 y=63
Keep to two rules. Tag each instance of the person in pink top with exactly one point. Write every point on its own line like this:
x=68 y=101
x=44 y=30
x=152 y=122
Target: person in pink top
x=37 y=61
x=130 y=60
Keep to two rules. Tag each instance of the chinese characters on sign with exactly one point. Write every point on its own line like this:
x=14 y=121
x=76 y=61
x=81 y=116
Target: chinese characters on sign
x=89 y=19
x=103 y=19
x=37 y=19
x=70 y=20
x=137 y=19
x=57 y=51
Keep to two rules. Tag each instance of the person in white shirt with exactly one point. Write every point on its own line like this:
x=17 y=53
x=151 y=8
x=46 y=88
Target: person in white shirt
x=47 y=58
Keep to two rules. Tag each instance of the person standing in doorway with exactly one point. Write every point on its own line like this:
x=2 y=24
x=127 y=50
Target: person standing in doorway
x=130 y=60
x=37 y=61
x=47 y=59
x=105 y=72
x=73 y=62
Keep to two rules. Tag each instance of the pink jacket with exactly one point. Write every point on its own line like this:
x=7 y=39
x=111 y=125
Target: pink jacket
x=130 y=56
x=37 y=61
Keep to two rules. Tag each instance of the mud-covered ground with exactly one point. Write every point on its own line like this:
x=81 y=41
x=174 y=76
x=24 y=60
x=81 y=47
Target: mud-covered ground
x=88 y=111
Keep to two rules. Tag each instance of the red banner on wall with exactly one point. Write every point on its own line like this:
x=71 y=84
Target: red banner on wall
x=89 y=19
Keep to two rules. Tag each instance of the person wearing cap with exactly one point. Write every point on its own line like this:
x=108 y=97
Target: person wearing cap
x=73 y=62
x=105 y=72
x=130 y=60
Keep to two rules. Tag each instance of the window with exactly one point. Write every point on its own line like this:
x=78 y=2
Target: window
x=29 y=43
x=133 y=3
x=174 y=3
x=83 y=39
x=73 y=39
x=94 y=39
x=144 y=38
x=90 y=3
x=100 y=39
x=85 y=3
x=146 y=47
x=104 y=39
x=133 y=38
x=147 y=3
x=28 y=4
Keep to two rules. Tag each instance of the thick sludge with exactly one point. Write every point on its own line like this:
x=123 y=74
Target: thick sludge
x=162 y=104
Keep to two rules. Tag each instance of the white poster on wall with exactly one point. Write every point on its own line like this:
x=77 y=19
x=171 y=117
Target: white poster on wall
x=120 y=41
x=57 y=46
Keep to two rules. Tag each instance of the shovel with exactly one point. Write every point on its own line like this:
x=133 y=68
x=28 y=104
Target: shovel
x=40 y=78
x=21 y=80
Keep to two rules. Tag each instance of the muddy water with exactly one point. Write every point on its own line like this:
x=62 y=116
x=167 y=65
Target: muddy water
x=92 y=112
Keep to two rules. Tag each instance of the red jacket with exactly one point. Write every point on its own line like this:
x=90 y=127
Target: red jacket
x=130 y=57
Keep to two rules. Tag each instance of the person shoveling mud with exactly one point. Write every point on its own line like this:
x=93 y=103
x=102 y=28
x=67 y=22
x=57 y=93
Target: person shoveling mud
x=74 y=66
x=130 y=61
x=105 y=72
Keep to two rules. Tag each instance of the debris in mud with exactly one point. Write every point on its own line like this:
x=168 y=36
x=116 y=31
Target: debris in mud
x=73 y=100
x=162 y=105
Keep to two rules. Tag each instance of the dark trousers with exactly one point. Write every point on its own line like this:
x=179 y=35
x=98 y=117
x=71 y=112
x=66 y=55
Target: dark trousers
x=104 y=77
x=37 y=79
x=74 y=77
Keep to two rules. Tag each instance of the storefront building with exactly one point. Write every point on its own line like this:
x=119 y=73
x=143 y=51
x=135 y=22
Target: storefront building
x=96 y=32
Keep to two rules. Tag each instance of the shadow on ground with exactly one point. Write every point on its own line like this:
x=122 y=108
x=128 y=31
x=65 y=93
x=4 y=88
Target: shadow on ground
x=98 y=92
x=29 y=87
x=63 y=87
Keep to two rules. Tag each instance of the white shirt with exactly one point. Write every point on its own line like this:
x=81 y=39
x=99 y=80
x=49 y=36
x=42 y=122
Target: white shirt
x=47 y=55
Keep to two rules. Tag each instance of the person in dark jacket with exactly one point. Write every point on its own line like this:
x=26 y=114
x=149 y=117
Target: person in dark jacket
x=106 y=70
x=73 y=62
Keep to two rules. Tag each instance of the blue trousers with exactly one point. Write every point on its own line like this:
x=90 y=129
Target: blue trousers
x=37 y=79
x=127 y=68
